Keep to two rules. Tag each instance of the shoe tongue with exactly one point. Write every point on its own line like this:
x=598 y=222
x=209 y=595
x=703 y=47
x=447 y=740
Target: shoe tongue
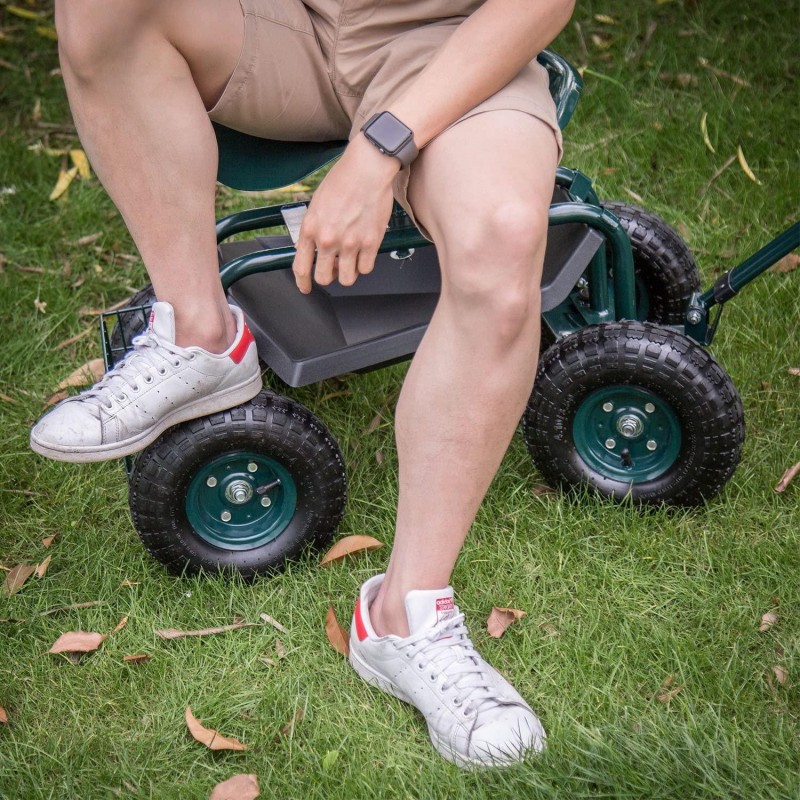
x=162 y=321
x=428 y=607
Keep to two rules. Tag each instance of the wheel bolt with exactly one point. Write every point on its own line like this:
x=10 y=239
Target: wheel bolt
x=649 y=408
x=225 y=516
x=211 y=482
x=611 y=444
x=694 y=317
x=266 y=502
x=608 y=407
x=252 y=467
x=651 y=445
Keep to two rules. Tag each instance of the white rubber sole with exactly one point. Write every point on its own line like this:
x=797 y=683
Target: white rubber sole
x=211 y=404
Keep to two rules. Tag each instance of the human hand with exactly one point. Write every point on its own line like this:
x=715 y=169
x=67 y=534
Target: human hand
x=347 y=217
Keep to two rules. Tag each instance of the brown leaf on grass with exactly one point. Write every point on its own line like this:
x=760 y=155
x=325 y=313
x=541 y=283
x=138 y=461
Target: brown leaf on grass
x=3 y=715
x=275 y=624
x=374 y=424
x=48 y=540
x=239 y=787
x=794 y=371
x=787 y=478
x=41 y=569
x=72 y=607
x=136 y=658
x=16 y=577
x=500 y=618
x=781 y=674
x=287 y=729
x=85 y=374
x=551 y=629
x=78 y=642
x=90 y=238
x=664 y=693
x=788 y=263
x=280 y=648
x=767 y=621
x=174 y=633
x=349 y=545
x=379 y=457
x=7 y=398
x=637 y=197
x=208 y=736
x=745 y=166
x=120 y=625
x=540 y=489
x=127 y=584
x=703 y=62
x=336 y=634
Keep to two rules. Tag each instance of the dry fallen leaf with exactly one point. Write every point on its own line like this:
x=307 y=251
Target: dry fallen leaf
x=787 y=478
x=239 y=787
x=48 y=540
x=664 y=693
x=336 y=634
x=65 y=178
x=781 y=674
x=16 y=578
x=767 y=621
x=40 y=306
x=280 y=648
x=41 y=569
x=374 y=424
x=120 y=625
x=788 y=263
x=745 y=166
x=704 y=131
x=500 y=618
x=3 y=715
x=57 y=609
x=794 y=371
x=136 y=658
x=126 y=584
x=78 y=642
x=209 y=737
x=275 y=624
x=174 y=633
x=287 y=729
x=85 y=374
x=605 y=19
x=81 y=163
x=348 y=545
x=551 y=629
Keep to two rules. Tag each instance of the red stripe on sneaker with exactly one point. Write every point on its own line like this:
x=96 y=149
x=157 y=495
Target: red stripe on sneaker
x=238 y=352
x=361 y=631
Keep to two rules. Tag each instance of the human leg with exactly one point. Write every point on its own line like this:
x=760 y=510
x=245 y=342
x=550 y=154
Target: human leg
x=482 y=189
x=139 y=76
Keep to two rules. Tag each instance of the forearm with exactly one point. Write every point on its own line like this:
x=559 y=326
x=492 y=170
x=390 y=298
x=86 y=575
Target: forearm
x=487 y=50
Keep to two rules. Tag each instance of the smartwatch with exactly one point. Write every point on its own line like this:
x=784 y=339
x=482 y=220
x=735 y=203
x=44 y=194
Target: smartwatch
x=391 y=137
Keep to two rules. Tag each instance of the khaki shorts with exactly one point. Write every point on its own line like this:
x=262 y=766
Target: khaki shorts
x=317 y=70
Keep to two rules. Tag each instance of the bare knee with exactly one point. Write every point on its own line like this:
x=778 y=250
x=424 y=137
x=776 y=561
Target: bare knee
x=92 y=33
x=493 y=270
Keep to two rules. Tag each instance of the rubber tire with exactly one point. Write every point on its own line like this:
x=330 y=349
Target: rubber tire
x=269 y=424
x=131 y=324
x=680 y=372
x=663 y=263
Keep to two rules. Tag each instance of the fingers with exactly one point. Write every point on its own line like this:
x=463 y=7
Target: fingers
x=345 y=264
x=303 y=262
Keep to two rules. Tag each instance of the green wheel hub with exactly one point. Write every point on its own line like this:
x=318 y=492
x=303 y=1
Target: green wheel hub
x=241 y=500
x=627 y=433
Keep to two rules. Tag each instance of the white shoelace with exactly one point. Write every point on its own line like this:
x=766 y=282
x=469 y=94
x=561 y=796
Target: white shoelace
x=151 y=357
x=449 y=655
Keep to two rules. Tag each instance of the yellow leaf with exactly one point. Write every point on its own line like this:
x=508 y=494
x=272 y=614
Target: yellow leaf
x=704 y=131
x=65 y=178
x=47 y=31
x=24 y=13
x=605 y=19
x=745 y=166
x=81 y=163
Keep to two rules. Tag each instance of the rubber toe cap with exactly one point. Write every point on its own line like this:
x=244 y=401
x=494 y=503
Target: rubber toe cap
x=70 y=424
x=508 y=739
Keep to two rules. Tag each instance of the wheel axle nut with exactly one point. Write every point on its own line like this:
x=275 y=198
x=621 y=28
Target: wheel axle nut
x=238 y=492
x=211 y=482
x=651 y=445
x=225 y=516
x=629 y=426
x=611 y=444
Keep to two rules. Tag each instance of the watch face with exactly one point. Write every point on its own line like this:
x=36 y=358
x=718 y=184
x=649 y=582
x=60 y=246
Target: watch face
x=389 y=133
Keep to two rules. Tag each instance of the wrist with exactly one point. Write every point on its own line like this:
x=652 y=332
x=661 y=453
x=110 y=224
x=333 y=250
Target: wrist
x=367 y=154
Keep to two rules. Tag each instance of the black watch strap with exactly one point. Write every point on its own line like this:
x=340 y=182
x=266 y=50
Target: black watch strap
x=391 y=137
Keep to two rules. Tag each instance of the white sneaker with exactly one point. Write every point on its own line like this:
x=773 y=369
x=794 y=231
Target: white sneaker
x=474 y=716
x=155 y=386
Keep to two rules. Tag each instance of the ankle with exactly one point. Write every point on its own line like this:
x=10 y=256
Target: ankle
x=387 y=617
x=213 y=331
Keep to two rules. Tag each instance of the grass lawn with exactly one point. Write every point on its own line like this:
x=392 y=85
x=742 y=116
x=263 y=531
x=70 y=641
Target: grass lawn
x=641 y=647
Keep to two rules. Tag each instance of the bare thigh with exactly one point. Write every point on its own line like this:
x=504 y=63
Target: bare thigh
x=486 y=183
x=207 y=33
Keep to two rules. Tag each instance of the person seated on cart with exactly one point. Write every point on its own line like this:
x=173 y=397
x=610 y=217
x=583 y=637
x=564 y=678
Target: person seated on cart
x=456 y=82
